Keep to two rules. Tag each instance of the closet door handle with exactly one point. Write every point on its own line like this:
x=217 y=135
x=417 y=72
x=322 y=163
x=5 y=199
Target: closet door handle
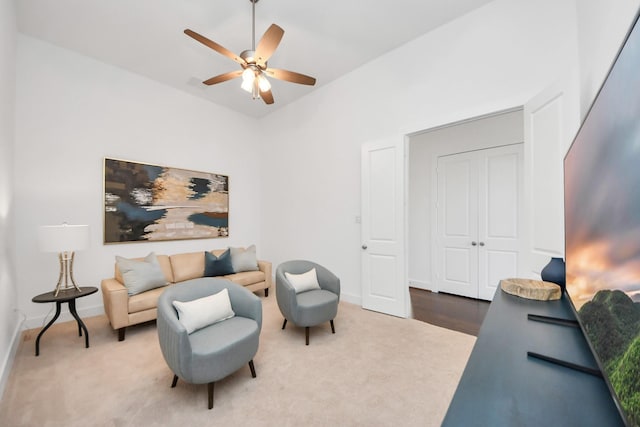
x=473 y=243
x=481 y=243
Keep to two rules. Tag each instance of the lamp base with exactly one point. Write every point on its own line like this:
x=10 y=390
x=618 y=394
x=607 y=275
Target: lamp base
x=66 y=273
x=64 y=289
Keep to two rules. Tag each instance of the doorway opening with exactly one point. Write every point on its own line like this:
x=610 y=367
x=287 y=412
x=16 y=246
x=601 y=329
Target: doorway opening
x=465 y=185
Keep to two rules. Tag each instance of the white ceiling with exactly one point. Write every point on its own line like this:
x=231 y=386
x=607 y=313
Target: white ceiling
x=324 y=39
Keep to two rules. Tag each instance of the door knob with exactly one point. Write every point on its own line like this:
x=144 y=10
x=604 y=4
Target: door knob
x=473 y=243
x=364 y=247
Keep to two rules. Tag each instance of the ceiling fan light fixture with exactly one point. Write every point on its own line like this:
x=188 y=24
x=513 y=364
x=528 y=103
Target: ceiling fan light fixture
x=263 y=83
x=248 y=76
x=247 y=86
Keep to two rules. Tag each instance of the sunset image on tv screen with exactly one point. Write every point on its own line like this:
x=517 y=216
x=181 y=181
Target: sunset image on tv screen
x=602 y=227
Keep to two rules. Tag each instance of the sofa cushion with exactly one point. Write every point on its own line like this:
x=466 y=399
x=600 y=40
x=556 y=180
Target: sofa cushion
x=205 y=311
x=141 y=276
x=187 y=266
x=145 y=301
x=217 y=265
x=246 y=278
x=244 y=259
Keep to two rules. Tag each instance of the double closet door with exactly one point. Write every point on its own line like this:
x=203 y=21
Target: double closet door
x=479 y=230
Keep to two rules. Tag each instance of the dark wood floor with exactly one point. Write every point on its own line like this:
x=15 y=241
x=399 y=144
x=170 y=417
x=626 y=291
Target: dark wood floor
x=448 y=311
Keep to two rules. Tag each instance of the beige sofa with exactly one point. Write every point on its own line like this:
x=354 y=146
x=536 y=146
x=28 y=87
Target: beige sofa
x=124 y=310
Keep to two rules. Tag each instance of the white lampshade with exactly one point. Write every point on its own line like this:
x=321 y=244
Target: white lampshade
x=63 y=238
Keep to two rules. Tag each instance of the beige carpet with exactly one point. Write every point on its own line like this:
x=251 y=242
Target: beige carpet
x=376 y=370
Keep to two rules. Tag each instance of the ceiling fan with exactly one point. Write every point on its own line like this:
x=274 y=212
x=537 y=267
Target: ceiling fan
x=254 y=62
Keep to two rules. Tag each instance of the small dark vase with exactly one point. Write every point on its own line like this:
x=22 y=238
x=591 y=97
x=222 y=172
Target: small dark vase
x=554 y=272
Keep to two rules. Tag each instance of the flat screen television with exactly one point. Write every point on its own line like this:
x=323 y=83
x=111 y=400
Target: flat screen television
x=602 y=227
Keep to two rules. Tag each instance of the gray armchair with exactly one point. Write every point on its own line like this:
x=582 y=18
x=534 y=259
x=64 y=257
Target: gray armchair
x=309 y=308
x=211 y=353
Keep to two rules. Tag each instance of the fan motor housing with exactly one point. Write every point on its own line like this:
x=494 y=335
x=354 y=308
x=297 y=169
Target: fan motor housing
x=249 y=56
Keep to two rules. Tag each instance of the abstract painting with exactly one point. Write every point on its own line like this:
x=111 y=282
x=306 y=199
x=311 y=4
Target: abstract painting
x=145 y=202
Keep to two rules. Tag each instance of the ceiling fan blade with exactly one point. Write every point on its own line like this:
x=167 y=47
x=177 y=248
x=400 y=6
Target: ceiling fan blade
x=291 y=76
x=267 y=96
x=268 y=44
x=215 y=46
x=223 y=77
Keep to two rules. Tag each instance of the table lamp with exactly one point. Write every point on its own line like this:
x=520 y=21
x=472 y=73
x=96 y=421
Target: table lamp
x=64 y=239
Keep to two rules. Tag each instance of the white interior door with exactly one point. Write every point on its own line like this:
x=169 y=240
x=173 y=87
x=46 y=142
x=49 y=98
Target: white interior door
x=500 y=228
x=551 y=120
x=458 y=224
x=383 y=267
x=479 y=231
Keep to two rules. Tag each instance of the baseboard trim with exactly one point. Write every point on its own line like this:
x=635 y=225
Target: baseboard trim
x=353 y=299
x=65 y=316
x=420 y=284
x=7 y=363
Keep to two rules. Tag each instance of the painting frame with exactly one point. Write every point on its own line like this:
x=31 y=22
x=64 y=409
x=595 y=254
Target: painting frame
x=144 y=202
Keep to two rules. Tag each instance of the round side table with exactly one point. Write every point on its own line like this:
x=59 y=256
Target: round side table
x=69 y=296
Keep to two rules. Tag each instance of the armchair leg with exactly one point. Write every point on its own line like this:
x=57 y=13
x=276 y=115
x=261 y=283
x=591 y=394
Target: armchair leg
x=253 y=368
x=306 y=333
x=266 y=292
x=121 y=334
x=333 y=329
x=284 y=324
x=175 y=381
x=210 y=390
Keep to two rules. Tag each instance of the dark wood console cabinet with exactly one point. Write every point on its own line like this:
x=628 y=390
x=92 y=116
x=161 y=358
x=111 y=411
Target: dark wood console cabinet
x=502 y=386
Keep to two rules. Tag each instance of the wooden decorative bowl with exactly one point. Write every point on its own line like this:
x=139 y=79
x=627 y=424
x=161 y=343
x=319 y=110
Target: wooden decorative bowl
x=531 y=289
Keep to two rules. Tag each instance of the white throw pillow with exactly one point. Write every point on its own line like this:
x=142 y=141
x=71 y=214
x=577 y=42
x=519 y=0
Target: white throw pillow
x=140 y=276
x=205 y=311
x=303 y=282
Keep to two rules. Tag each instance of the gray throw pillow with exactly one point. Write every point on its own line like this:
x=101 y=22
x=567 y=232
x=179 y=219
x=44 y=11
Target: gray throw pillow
x=244 y=259
x=140 y=276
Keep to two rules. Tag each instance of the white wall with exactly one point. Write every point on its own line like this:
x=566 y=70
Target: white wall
x=72 y=111
x=602 y=26
x=9 y=320
x=492 y=59
x=419 y=218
